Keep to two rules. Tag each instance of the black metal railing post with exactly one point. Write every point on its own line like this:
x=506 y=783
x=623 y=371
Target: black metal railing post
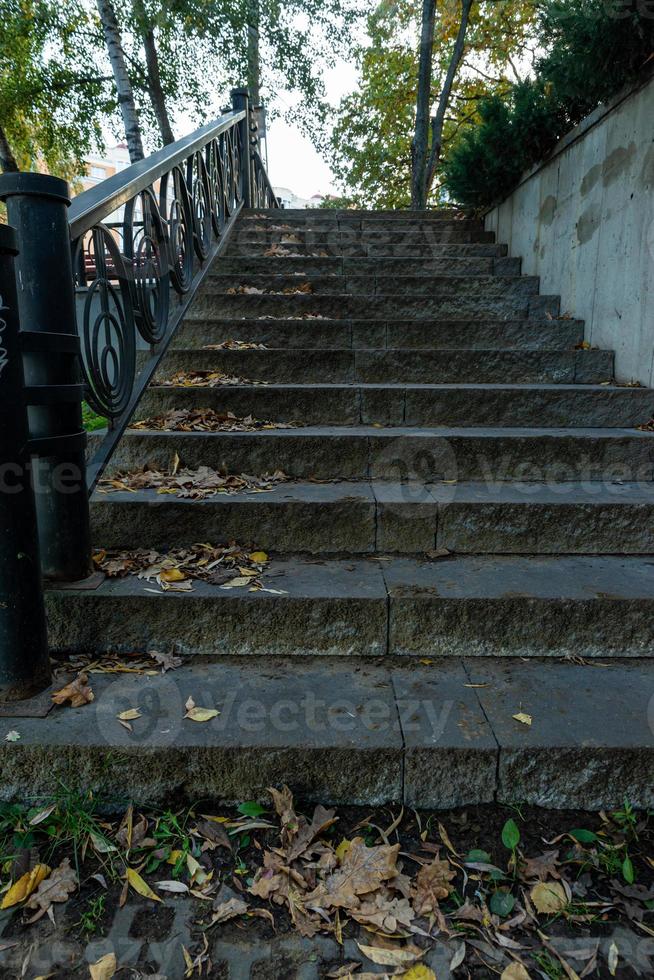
x=240 y=102
x=24 y=663
x=37 y=206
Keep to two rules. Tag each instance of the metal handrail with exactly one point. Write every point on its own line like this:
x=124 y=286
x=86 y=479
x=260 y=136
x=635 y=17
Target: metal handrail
x=97 y=203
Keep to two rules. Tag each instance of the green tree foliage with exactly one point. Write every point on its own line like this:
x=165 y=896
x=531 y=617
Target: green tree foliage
x=371 y=140
x=595 y=48
x=52 y=95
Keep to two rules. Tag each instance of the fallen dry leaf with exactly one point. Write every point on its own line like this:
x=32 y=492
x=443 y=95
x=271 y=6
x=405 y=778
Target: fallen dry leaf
x=548 y=897
x=228 y=910
x=194 y=713
x=77 y=692
x=523 y=718
x=433 y=883
x=57 y=887
x=390 y=957
x=25 y=885
x=141 y=886
x=515 y=971
x=104 y=968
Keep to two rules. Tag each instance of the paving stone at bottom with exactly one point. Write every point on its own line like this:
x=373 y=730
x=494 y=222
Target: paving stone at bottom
x=591 y=739
x=450 y=751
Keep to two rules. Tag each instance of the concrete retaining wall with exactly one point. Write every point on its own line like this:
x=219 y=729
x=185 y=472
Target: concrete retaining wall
x=584 y=222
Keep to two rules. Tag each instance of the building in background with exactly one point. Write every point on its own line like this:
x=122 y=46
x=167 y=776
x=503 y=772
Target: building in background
x=99 y=168
x=290 y=200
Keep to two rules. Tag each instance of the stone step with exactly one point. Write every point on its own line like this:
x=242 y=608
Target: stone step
x=350 y=732
x=334 y=214
x=247 y=248
x=402 y=453
x=315 y=222
x=362 y=266
x=385 y=284
x=340 y=237
x=477 y=334
x=469 y=405
x=375 y=307
x=376 y=517
x=397 y=366
x=473 y=606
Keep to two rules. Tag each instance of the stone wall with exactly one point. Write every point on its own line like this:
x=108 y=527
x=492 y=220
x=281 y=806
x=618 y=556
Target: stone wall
x=584 y=222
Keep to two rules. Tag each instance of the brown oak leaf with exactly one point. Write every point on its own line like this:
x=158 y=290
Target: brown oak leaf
x=362 y=870
x=57 y=887
x=433 y=883
x=77 y=692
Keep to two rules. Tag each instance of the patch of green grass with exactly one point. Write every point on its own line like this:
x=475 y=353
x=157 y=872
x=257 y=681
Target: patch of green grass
x=90 y=919
x=91 y=420
x=550 y=967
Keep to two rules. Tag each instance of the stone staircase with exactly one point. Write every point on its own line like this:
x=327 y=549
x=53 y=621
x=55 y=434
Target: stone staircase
x=466 y=536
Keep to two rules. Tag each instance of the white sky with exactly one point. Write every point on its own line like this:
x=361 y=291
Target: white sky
x=293 y=162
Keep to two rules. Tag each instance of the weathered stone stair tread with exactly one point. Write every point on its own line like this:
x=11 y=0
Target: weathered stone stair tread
x=397 y=365
x=365 y=517
x=354 y=733
x=245 y=247
x=455 y=266
x=478 y=606
x=360 y=451
x=416 y=404
x=419 y=334
x=386 y=284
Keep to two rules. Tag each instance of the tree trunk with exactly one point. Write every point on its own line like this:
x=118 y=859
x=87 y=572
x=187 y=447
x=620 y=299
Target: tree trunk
x=155 y=89
x=421 y=134
x=438 y=121
x=254 y=65
x=8 y=163
x=121 y=77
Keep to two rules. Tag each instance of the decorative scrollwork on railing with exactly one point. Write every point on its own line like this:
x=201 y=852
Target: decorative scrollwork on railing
x=108 y=335
x=138 y=255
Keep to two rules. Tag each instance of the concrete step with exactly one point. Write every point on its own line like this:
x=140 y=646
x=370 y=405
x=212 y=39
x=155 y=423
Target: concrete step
x=376 y=517
x=248 y=248
x=526 y=606
x=315 y=224
x=361 y=266
x=349 y=732
x=457 y=233
x=477 y=334
x=397 y=366
x=383 y=284
x=469 y=405
x=436 y=306
x=334 y=214
x=403 y=453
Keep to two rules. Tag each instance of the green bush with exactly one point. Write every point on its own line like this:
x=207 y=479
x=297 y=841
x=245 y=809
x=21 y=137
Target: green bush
x=595 y=47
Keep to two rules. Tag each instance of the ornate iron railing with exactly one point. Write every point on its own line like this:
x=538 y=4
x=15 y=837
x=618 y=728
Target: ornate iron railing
x=142 y=242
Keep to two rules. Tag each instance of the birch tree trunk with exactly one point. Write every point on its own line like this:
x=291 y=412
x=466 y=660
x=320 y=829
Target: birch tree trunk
x=421 y=134
x=7 y=159
x=254 y=63
x=121 y=78
x=155 y=88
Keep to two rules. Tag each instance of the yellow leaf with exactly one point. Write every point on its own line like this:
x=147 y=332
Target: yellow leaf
x=548 y=897
x=523 y=718
x=130 y=715
x=172 y=575
x=388 y=957
x=515 y=971
x=419 y=972
x=342 y=849
x=141 y=886
x=174 y=857
x=105 y=967
x=201 y=714
x=259 y=557
x=25 y=885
